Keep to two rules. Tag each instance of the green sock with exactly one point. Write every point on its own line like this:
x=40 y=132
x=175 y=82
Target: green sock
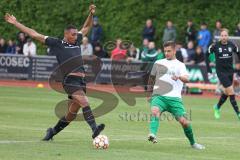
x=189 y=134
x=154 y=124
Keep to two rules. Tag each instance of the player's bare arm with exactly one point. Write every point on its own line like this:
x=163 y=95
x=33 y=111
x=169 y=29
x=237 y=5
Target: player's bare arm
x=184 y=78
x=32 y=33
x=88 y=23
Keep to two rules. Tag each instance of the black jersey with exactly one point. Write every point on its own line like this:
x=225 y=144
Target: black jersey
x=65 y=52
x=224 y=56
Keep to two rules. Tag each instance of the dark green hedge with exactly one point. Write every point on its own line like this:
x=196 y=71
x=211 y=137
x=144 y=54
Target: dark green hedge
x=119 y=18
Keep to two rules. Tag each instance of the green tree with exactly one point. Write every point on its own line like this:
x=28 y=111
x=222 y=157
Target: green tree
x=124 y=19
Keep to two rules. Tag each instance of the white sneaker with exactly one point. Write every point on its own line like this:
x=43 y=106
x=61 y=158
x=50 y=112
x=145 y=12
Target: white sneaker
x=152 y=138
x=198 y=146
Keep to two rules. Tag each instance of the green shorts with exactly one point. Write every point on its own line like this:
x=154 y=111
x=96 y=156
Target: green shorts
x=174 y=105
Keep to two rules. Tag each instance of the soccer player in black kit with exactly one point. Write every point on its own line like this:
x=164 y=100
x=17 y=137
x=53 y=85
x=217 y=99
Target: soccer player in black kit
x=224 y=50
x=73 y=82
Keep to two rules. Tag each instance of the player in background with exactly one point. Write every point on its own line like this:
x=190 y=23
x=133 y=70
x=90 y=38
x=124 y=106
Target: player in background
x=74 y=82
x=224 y=50
x=169 y=72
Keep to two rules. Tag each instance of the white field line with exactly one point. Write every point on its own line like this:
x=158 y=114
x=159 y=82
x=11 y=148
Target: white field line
x=129 y=138
x=120 y=138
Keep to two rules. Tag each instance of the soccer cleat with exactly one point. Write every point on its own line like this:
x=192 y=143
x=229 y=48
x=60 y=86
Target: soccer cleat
x=198 y=146
x=216 y=112
x=152 y=138
x=49 y=135
x=98 y=130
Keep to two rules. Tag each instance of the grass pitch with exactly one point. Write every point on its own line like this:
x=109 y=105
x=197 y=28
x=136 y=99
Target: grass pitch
x=26 y=113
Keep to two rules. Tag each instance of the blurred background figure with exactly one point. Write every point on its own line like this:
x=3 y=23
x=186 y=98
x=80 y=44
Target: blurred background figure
x=169 y=33
x=151 y=54
x=21 y=40
x=149 y=31
x=29 y=48
x=161 y=54
x=133 y=53
x=118 y=53
x=204 y=37
x=144 y=47
x=86 y=47
x=99 y=52
x=96 y=34
x=198 y=57
x=190 y=50
x=190 y=32
x=217 y=30
x=237 y=31
x=3 y=46
x=11 y=47
x=181 y=53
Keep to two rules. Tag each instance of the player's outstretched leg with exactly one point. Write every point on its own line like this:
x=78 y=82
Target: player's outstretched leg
x=89 y=118
x=229 y=90
x=154 y=124
x=82 y=99
x=63 y=122
x=234 y=105
x=217 y=107
x=189 y=133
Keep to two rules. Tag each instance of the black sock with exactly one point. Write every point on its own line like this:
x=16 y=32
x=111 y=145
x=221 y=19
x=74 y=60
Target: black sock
x=89 y=118
x=234 y=103
x=222 y=99
x=62 y=123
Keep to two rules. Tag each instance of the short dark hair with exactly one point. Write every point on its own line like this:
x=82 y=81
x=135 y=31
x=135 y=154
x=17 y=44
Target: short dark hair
x=29 y=39
x=219 y=20
x=169 y=43
x=70 y=26
x=204 y=24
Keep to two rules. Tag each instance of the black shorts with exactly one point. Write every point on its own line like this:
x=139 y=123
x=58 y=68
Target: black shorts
x=72 y=84
x=226 y=79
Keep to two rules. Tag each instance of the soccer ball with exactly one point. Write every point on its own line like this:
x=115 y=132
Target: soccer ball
x=101 y=142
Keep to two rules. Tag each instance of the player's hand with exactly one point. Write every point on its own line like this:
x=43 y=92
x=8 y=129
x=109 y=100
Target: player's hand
x=175 y=78
x=10 y=18
x=92 y=9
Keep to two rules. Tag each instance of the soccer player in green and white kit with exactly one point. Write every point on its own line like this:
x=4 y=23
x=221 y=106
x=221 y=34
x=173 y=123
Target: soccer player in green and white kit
x=168 y=76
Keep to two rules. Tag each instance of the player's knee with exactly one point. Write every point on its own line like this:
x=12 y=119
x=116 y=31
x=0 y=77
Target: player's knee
x=229 y=90
x=183 y=121
x=81 y=100
x=84 y=103
x=155 y=111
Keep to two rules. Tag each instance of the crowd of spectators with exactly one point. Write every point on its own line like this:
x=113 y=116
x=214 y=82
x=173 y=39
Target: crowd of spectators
x=22 y=46
x=191 y=50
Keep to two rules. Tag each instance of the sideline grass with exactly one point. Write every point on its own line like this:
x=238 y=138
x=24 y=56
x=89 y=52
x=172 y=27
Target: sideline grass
x=25 y=114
